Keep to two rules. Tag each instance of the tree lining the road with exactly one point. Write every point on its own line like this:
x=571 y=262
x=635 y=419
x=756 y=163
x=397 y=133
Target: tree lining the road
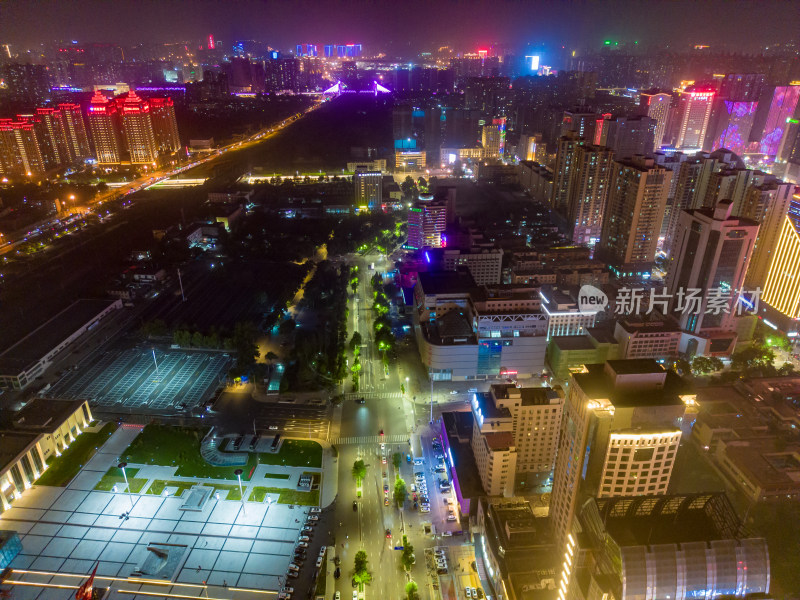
x=361 y=573
x=412 y=591
x=399 y=491
x=397 y=459
x=359 y=470
x=407 y=558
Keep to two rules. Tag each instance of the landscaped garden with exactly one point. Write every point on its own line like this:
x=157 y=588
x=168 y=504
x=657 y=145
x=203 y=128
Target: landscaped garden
x=180 y=447
x=61 y=469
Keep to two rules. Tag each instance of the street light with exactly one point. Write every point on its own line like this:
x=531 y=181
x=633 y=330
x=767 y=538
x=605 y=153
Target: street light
x=238 y=473
x=122 y=466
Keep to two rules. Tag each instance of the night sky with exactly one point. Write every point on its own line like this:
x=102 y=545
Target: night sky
x=405 y=27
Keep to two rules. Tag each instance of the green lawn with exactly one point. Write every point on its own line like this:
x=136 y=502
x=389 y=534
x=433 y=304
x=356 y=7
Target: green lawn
x=323 y=576
x=226 y=492
x=180 y=447
x=62 y=469
x=114 y=477
x=259 y=493
x=276 y=476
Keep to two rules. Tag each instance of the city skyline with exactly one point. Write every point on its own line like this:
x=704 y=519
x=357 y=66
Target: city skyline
x=418 y=26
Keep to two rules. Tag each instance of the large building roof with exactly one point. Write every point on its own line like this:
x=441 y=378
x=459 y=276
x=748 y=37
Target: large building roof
x=447 y=282
x=599 y=383
x=43 y=339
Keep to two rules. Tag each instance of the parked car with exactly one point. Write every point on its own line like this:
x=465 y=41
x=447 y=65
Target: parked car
x=293 y=567
x=304 y=538
x=315 y=510
x=312 y=518
x=337 y=596
x=293 y=574
x=355 y=505
x=302 y=544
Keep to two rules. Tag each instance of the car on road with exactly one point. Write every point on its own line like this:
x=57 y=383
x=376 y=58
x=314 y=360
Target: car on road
x=315 y=510
x=273 y=428
x=451 y=517
x=453 y=392
x=319 y=562
x=337 y=596
x=468 y=592
x=304 y=538
x=419 y=461
x=288 y=590
x=293 y=567
x=355 y=594
x=439 y=552
x=361 y=401
x=474 y=592
x=413 y=488
x=425 y=508
x=355 y=505
x=302 y=544
x=383 y=459
x=337 y=573
x=313 y=518
x=293 y=574
x=388 y=533
x=386 y=501
x=307 y=528
x=385 y=488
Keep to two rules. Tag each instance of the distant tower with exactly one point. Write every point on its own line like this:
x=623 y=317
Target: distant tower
x=656 y=105
x=165 y=126
x=694 y=110
x=75 y=129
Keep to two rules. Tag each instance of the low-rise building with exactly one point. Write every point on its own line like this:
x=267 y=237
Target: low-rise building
x=657 y=337
x=567 y=354
x=564 y=315
x=32 y=437
x=30 y=357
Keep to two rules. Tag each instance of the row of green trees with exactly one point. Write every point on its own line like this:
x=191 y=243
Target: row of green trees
x=242 y=340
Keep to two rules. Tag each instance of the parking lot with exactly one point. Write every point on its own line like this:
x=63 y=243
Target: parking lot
x=66 y=531
x=141 y=377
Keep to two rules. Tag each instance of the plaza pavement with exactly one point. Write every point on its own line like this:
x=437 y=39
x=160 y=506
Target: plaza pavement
x=66 y=530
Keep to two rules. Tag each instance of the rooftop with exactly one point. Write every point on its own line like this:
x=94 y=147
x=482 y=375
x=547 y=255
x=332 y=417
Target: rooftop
x=572 y=342
x=484 y=404
x=502 y=440
x=43 y=414
x=598 y=383
x=44 y=338
x=12 y=443
x=651 y=520
x=447 y=282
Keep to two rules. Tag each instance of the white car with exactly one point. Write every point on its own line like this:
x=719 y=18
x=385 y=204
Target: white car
x=319 y=562
x=315 y=510
x=355 y=594
x=468 y=592
x=313 y=518
x=288 y=590
x=451 y=517
x=337 y=596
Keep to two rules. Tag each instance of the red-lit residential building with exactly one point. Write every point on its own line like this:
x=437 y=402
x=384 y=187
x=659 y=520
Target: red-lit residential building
x=165 y=126
x=104 y=124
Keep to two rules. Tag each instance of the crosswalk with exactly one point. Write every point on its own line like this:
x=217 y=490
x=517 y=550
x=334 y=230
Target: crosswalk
x=374 y=395
x=369 y=439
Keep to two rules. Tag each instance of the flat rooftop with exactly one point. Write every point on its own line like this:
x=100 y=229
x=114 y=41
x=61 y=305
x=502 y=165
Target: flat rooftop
x=44 y=413
x=447 y=282
x=635 y=366
x=651 y=520
x=489 y=409
x=12 y=443
x=572 y=342
x=44 y=338
x=597 y=383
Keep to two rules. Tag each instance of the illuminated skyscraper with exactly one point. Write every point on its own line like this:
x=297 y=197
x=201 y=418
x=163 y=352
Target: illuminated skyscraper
x=75 y=130
x=165 y=127
x=588 y=192
x=493 y=138
x=53 y=142
x=562 y=173
x=20 y=155
x=711 y=251
x=767 y=203
x=619 y=436
x=104 y=126
x=729 y=125
x=694 y=111
x=427 y=220
x=368 y=187
x=657 y=106
x=782 y=283
x=635 y=209
x=137 y=129
x=782 y=109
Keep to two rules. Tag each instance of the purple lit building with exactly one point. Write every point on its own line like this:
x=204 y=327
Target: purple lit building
x=782 y=109
x=730 y=124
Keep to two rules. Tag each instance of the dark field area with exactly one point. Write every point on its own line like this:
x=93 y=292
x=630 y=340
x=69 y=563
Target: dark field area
x=229 y=292
x=80 y=266
x=322 y=140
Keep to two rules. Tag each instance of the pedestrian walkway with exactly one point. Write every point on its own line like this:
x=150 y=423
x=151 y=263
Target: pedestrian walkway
x=370 y=439
x=374 y=395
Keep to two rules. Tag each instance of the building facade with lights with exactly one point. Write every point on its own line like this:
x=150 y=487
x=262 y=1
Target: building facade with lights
x=781 y=294
x=678 y=547
x=104 y=125
x=657 y=105
x=620 y=435
x=693 y=113
x=39 y=432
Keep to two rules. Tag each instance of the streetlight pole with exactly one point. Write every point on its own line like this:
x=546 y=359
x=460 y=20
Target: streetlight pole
x=431 y=375
x=238 y=473
x=122 y=466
